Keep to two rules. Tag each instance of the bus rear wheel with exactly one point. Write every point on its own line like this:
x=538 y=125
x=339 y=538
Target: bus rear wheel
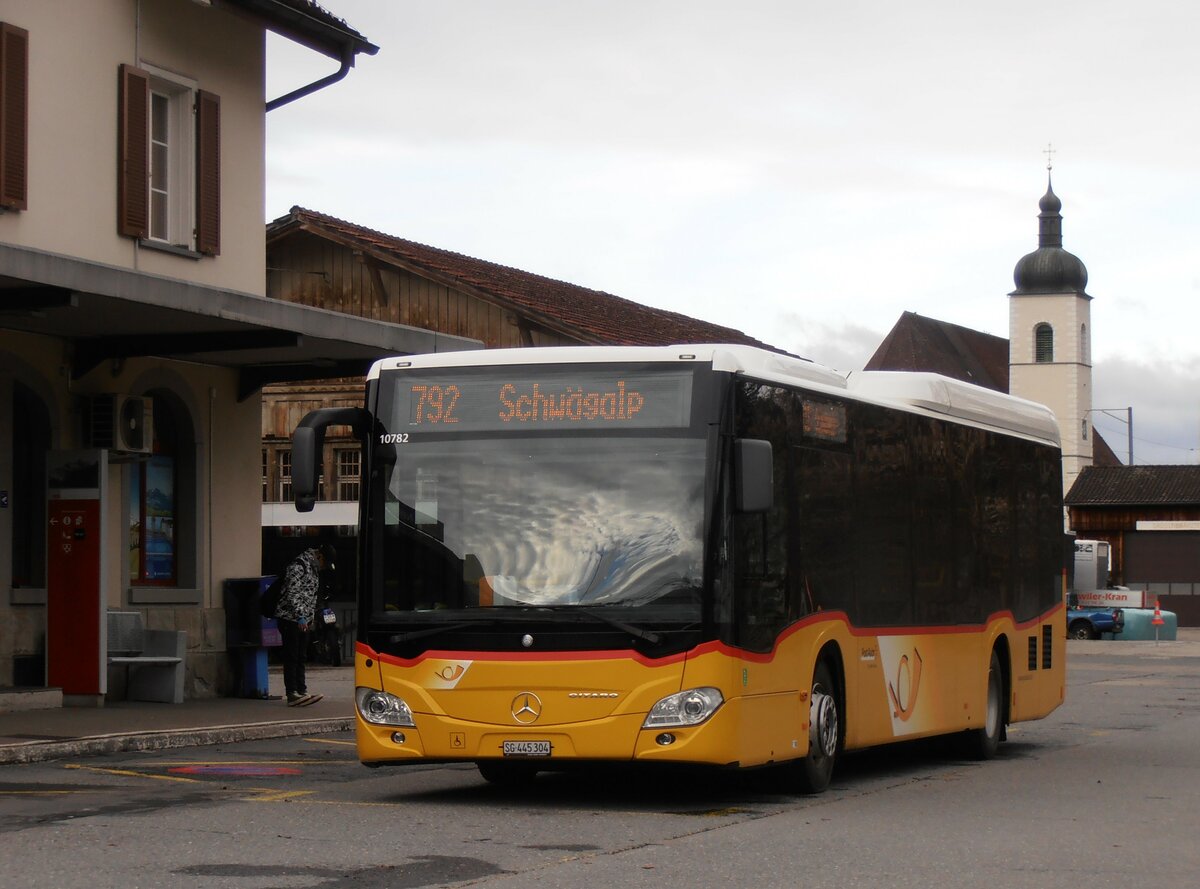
x=815 y=771
x=982 y=743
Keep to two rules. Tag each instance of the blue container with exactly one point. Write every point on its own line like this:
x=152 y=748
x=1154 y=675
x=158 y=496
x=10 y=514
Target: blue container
x=1139 y=625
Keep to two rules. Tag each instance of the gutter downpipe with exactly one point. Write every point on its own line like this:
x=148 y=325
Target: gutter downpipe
x=347 y=64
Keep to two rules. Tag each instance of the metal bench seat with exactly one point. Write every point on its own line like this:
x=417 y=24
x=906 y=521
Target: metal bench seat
x=153 y=659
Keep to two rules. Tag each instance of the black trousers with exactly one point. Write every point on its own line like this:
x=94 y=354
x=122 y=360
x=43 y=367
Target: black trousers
x=295 y=641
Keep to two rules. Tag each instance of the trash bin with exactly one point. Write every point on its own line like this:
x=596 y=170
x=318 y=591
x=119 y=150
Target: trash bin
x=248 y=634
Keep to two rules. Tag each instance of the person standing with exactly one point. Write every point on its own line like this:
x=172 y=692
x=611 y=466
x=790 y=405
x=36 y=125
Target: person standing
x=294 y=614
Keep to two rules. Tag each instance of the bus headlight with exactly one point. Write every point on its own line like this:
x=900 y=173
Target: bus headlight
x=686 y=708
x=381 y=708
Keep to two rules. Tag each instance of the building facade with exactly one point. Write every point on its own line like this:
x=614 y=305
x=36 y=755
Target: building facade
x=135 y=334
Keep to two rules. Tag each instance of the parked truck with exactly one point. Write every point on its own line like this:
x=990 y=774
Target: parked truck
x=1089 y=623
x=1091 y=573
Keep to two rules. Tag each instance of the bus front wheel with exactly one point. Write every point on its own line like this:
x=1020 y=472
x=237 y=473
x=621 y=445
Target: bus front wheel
x=815 y=771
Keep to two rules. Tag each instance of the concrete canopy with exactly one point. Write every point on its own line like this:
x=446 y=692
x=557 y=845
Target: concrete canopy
x=110 y=313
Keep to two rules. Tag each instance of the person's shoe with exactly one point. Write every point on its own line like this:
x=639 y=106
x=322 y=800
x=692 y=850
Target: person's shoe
x=297 y=700
x=310 y=699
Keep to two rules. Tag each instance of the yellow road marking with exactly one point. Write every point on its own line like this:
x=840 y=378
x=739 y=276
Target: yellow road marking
x=323 y=741
x=128 y=773
x=326 y=802
x=248 y=762
x=268 y=795
x=262 y=794
x=41 y=792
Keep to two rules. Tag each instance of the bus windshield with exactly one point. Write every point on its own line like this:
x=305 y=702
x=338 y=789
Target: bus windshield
x=548 y=512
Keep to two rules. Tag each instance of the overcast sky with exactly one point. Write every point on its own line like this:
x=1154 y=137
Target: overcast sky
x=804 y=172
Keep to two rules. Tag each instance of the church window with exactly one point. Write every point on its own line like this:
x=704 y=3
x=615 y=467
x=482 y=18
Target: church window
x=1043 y=344
x=1084 y=357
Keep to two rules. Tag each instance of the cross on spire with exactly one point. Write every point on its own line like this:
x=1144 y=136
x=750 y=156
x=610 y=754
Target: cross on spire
x=1049 y=152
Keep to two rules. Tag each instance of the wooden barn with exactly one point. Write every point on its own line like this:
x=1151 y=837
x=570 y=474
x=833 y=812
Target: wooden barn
x=1151 y=517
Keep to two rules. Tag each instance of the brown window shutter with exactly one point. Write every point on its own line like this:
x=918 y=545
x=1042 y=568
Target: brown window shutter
x=208 y=173
x=133 y=165
x=14 y=117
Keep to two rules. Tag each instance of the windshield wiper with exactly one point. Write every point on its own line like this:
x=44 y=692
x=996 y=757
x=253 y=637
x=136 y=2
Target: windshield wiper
x=559 y=611
x=637 y=632
x=433 y=631
x=489 y=620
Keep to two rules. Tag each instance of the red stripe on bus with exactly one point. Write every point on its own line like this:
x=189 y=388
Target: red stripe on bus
x=705 y=647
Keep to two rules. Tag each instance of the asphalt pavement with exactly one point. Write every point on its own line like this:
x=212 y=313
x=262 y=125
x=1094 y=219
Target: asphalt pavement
x=39 y=735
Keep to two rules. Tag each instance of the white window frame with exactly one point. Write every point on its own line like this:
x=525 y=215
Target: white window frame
x=283 y=477
x=344 y=481
x=177 y=226
x=1043 y=353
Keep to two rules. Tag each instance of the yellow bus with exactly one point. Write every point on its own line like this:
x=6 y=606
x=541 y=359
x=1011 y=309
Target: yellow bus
x=698 y=554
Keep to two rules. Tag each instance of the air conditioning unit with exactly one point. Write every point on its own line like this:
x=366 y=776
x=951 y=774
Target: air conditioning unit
x=120 y=423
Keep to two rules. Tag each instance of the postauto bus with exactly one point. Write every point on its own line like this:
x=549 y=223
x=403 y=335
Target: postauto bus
x=697 y=554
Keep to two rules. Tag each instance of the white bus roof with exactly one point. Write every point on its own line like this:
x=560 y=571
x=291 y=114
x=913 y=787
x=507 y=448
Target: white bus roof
x=924 y=393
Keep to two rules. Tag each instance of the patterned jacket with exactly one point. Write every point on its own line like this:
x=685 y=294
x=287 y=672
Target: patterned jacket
x=302 y=580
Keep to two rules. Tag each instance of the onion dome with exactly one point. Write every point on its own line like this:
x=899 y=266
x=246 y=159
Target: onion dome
x=1050 y=268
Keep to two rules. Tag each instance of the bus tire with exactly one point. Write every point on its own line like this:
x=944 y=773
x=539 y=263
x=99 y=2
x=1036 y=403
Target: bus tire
x=982 y=743
x=814 y=772
x=507 y=774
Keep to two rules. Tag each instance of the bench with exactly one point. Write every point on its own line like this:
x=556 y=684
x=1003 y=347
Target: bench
x=153 y=659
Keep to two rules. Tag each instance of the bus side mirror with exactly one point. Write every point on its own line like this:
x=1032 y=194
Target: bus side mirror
x=308 y=441
x=304 y=467
x=754 y=475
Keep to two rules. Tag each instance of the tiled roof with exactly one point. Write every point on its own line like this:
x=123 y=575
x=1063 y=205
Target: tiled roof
x=592 y=316
x=917 y=343
x=1135 y=486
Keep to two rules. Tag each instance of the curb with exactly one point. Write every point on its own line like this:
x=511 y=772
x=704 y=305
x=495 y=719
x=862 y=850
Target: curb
x=41 y=751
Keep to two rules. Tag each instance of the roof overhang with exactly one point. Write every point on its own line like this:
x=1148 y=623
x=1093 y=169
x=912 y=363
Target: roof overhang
x=109 y=313
x=308 y=24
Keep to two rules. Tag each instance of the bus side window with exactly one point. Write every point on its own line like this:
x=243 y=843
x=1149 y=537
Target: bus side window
x=883 y=517
x=761 y=577
x=825 y=488
x=933 y=451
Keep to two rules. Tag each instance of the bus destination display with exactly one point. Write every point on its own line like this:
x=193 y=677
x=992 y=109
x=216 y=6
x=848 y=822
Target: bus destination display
x=583 y=400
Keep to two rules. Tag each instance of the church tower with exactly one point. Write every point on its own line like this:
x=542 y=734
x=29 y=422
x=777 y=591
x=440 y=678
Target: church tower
x=1050 y=332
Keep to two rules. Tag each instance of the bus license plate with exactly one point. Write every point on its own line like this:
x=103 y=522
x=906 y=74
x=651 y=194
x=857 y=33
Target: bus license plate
x=526 y=748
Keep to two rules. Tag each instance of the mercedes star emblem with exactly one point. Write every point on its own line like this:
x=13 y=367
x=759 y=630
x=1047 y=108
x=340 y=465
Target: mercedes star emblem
x=526 y=708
